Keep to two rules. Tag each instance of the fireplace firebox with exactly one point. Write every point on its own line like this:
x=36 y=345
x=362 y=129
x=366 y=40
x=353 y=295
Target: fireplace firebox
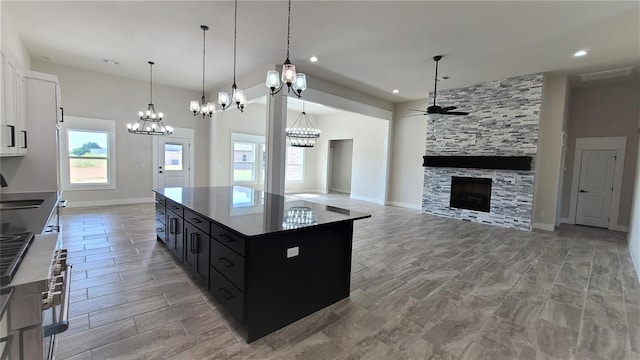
x=470 y=193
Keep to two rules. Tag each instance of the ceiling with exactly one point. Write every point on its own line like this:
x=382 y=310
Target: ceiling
x=369 y=46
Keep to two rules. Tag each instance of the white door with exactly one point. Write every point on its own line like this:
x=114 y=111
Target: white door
x=173 y=162
x=595 y=187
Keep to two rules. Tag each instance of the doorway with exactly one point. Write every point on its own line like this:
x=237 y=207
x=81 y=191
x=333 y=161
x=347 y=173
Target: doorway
x=172 y=157
x=339 y=166
x=597 y=181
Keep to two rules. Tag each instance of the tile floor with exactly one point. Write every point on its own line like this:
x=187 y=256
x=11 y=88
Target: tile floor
x=423 y=287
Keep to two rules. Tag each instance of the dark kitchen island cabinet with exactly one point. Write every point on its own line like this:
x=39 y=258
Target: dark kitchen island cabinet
x=269 y=259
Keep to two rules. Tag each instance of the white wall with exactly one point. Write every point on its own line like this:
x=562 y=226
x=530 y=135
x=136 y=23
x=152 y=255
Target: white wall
x=370 y=149
x=12 y=43
x=634 y=226
x=548 y=159
x=96 y=95
x=408 y=142
x=251 y=122
x=341 y=157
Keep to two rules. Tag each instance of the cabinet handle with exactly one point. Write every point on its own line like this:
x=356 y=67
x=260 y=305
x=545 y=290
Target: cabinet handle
x=227 y=295
x=226 y=262
x=24 y=138
x=196 y=220
x=194 y=243
x=13 y=136
x=172 y=226
x=227 y=238
x=61 y=114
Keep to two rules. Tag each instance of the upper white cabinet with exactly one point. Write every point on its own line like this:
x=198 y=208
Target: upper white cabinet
x=14 y=135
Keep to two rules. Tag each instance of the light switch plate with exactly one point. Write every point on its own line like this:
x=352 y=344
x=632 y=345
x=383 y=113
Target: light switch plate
x=294 y=251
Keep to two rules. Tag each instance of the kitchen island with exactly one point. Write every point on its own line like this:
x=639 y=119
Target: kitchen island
x=268 y=259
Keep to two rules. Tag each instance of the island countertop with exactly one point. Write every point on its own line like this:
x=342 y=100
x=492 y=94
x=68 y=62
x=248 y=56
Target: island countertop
x=253 y=212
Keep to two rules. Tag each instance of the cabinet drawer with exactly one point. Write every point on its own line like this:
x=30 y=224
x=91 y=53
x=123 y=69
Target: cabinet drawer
x=175 y=207
x=160 y=213
x=228 y=263
x=228 y=238
x=227 y=294
x=160 y=199
x=201 y=222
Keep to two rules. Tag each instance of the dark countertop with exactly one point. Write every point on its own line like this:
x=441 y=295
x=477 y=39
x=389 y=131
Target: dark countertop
x=27 y=220
x=254 y=212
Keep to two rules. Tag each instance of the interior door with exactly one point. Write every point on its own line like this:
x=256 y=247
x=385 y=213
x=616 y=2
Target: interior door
x=595 y=187
x=173 y=162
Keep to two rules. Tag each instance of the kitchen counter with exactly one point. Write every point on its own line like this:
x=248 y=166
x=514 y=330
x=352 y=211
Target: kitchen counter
x=254 y=212
x=28 y=220
x=268 y=259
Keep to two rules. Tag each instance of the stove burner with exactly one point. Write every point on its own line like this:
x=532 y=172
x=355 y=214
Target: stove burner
x=12 y=250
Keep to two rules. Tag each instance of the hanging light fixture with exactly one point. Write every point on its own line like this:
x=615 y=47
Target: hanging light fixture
x=237 y=95
x=302 y=133
x=203 y=107
x=297 y=81
x=150 y=122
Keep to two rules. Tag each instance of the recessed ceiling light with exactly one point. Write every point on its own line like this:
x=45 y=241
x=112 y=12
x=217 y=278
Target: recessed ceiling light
x=580 y=53
x=111 y=62
x=395 y=91
x=313 y=59
x=49 y=59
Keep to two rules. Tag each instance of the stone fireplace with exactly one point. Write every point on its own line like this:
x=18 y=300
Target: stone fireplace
x=495 y=145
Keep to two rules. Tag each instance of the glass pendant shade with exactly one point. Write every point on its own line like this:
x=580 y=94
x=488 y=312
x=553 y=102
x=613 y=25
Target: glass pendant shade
x=223 y=98
x=194 y=106
x=210 y=108
x=238 y=96
x=273 y=79
x=301 y=82
x=288 y=73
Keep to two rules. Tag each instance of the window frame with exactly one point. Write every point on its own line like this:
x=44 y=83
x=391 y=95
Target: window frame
x=81 y=124
x=294 y=181
x=257 y=141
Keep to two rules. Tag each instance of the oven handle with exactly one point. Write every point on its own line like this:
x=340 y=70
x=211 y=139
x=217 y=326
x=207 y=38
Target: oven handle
x=63 y=324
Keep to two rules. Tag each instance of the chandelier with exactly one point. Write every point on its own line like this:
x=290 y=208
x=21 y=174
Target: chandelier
x=297 y=81
x=302 y=133
x=237 y=94
x=203 y=107
x=150 y=122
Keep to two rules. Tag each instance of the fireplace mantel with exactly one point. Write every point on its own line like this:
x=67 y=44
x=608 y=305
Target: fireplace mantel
x=479 y=162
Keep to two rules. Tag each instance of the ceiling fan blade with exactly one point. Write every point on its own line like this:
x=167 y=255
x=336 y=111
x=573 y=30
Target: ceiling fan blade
x=455 y=113
x=449 y=108
x=416 y=110
x=423 y=114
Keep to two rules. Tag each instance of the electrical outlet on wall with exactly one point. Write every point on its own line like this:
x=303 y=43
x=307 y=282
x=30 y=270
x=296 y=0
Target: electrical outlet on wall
x=293 y=252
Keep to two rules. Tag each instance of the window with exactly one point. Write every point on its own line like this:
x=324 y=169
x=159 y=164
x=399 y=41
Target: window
x=88 y=154
x=244 y=165
x=173 y=157
x=295 y=164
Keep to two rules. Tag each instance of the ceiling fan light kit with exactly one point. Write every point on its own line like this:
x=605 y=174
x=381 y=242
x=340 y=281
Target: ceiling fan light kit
x=203 y=107
x=293 y=80
x=237 y=95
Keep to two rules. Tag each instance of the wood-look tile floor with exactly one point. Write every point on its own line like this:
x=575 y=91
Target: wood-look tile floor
x=423 y=287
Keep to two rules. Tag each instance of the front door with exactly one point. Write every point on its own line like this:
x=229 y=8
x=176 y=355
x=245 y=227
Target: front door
x=173 y=162
x=595 y=187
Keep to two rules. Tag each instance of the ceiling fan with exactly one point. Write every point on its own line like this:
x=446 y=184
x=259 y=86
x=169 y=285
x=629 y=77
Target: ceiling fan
x=435 y=112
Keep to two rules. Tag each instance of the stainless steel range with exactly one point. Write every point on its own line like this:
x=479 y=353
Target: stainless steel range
x=36 y=281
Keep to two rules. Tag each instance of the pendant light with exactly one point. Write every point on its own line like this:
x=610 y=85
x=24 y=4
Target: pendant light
x=237 y=95
x=203 y=107
x=297 y=81
x=150 y=121
x=302 y=133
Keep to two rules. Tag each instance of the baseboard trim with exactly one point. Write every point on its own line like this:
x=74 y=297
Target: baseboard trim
x=541 y=226
x=91 y=203
x=405 y=205
x=619 y=228
x=635 y=260
x=565 y=221
x=343 y=191
x=365 y=198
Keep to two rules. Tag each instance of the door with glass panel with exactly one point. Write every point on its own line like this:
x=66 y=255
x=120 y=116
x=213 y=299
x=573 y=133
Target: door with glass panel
x=174 y=162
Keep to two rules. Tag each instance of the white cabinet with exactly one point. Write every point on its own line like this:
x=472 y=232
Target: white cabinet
x=14 y=136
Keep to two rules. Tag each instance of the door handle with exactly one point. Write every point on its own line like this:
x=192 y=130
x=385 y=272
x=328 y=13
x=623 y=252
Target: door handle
x=160 y=171
x=583 y=191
